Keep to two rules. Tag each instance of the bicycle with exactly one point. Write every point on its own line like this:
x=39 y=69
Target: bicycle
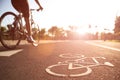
x=77 y=65
x=12 y=29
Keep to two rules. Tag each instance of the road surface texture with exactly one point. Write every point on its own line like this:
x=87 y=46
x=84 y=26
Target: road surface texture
x=61 y=60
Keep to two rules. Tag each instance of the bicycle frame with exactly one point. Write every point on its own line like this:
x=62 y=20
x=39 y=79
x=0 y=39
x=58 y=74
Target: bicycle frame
x=20 y=19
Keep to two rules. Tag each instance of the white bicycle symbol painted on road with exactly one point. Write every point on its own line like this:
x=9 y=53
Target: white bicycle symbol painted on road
x=76 y=65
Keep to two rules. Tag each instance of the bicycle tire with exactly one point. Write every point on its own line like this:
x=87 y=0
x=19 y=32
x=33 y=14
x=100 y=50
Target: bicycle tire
x=35 y=34
x=49 y=70
x=9 y=35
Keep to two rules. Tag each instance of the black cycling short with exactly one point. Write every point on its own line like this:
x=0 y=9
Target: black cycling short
x=21 y=6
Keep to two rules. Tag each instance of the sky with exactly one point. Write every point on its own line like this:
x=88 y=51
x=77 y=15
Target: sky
x=80 y=13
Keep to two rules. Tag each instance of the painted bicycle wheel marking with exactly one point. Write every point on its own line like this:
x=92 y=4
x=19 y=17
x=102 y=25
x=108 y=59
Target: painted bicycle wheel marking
x=78 y=63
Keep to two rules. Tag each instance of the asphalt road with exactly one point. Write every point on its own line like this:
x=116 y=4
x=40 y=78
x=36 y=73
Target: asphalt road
x=61 y=60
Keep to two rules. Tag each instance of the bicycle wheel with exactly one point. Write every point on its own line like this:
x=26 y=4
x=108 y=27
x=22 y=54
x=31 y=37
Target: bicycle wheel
x=9 y=35
x=62 y=70
x=35 y=34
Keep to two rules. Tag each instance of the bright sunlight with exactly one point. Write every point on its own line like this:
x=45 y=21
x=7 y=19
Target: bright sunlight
x=80 y=13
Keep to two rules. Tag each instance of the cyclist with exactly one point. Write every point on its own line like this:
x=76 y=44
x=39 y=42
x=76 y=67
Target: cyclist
x=23 y=7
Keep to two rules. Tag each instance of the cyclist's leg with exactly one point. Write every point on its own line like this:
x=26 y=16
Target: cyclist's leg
x=28 y=27
x=22 y=6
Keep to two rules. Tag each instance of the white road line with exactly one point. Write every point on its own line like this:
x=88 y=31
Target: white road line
x=10 y=53
x=95 y=60
x=70 y=66
x=107 y=47
x=108 y=64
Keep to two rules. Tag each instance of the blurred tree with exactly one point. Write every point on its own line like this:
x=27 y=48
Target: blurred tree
x=60 y=33
x=52 y=31
x=56 y=33
x=117 y=25
x=42 y=33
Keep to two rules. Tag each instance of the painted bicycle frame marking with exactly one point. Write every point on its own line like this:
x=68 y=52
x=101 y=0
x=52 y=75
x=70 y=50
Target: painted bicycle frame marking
x=78 y=62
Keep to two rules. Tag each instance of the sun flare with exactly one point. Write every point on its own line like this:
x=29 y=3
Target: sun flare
x=82 y=31
x=94 y=30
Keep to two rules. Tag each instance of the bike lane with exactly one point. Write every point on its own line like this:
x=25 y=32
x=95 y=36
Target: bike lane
x=60 y=61
x=91 y=67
